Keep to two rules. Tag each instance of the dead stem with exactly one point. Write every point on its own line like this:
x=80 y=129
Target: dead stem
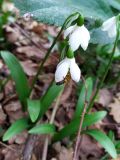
x=46 y=143
x=75 y=156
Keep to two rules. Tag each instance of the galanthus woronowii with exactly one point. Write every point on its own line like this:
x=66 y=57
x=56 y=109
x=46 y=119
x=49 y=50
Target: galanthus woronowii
x=110 y=26
x=67 y=69
x=78 y=35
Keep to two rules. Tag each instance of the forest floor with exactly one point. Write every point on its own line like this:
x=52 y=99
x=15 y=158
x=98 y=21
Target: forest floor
x=29 y=42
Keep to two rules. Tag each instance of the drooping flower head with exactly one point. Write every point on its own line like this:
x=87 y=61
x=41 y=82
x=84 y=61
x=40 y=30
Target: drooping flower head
x=110 y=26
x=78 y=35
x=66 y=67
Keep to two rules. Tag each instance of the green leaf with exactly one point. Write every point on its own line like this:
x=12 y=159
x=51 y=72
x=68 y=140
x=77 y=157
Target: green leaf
x=34 y=107
x=43 y=129
x=115 y=4
x=15 y=128
x=81 y=100
x=92 y=118
x=73 y=126
x=50 y=95
x=104 y=140
x=100 y=37
x=55 y=11
x=17 y=74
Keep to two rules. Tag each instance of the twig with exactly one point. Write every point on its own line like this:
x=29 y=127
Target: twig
x=81 y=122
x=45 y=149
x=27 y=153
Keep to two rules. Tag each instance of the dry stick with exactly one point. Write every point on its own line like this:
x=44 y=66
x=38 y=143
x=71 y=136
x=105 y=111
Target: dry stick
x=27 y=153
x=81 y=122
x=45 y=149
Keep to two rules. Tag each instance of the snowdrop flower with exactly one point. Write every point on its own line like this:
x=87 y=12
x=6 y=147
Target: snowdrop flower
x=110 y=26
x=65 y=67
x=77 y=35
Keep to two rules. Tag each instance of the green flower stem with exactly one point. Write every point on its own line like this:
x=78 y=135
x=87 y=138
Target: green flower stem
x=105 y=74
x=49 y=51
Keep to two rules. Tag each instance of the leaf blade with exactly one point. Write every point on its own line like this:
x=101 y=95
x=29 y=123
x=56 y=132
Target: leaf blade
x=73 y=126
x=43 y=129
x=16 y=128
x=18 y=75
x=104 y=141
x=34 y=107
x=48 y=98
x=55 y=12
x=82 y=98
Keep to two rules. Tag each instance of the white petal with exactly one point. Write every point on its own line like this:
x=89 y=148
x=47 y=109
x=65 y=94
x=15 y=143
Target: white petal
x=85 y=38
x=69 y=30
x=112 y=32
x=111 y=22
x=62 y=70
x=75 y=39
x=80 y=36
x=75 y=72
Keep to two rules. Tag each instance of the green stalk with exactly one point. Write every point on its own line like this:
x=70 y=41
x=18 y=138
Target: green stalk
x=105 y=73
x=49 y=51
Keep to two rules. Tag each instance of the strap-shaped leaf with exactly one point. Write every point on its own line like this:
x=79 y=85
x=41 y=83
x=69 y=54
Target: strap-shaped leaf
x=17 y=127
x=73 y=126
x=104 y=140
x=17 y=74
x=82 y=98
x=34 y=107
x=43 y=129
x=50 y=95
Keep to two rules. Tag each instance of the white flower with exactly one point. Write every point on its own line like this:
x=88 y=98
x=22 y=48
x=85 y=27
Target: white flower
x=67 y=65
x=110 y=27
x=78 y=35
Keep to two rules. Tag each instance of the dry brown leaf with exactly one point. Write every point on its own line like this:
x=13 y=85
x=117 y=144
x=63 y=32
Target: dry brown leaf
x=115 y=110
x=65 y=154
x=30 y=68
x=105 y=97
x=31 y=51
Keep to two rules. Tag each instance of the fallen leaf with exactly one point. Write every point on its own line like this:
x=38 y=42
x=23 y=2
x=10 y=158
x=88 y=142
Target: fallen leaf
x=115 y=110
x=105 y=97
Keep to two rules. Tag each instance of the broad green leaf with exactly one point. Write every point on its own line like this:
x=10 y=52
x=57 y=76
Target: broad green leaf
x=50 y=95
x=17 y=127
x=104 y=140
x=100 y=37
x=34 y=107
x=81 y=100
x=115 y=4
x=17 y=74
x=43 y=129
x=73 y=126
x=56 y=11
